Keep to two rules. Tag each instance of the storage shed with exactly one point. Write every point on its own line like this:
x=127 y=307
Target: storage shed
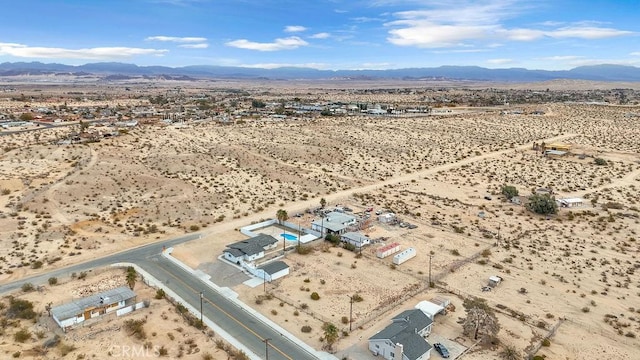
x=387 y=250
x=403 y=256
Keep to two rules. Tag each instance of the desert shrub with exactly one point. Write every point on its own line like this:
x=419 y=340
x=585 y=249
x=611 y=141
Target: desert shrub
x=334 y=239
x=22 y=335
x=357 y=298
x=509 y=191
x=135 y=328
x=207 y=356
x=455 y=252
x=274 y=312
x=83 y=275
x=345 y=319
x=315 y=296
x=194 y=227
x=162 y=351
x=21 y=309
x=304 y=250
x=546 y=342
x=304 y=306
x=53 y=280
x=6 y=191
x=65 y=349
x=600 y=161
x=36 y=264
x=307 y=280
x=630 y=334
x=349 y=246
x=306 y=329
x=296 y=313
x=486 y=253
x=16 y=354
x=160 y=294
x=585 y=309
x=27 y=287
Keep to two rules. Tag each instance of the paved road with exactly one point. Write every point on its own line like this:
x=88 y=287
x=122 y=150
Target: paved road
x=238 y=322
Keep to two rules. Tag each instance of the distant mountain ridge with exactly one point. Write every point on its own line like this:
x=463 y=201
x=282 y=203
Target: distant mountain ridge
x=604 y=72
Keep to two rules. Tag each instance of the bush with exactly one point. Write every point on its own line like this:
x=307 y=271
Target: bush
x=546 y=342
x=304 y=250
x=357 y=298
x=53 y=281
x=306 y=329
x=27 y=287
x=542 y=204
x=600 y=161
x=334 y=239
x=160 y=294
x=65 y=349
x=509 y=191
x=22 y=335
x=315 y=296
x=345 y=320
x=135 y=328
x=21 y=309
x=455 y=252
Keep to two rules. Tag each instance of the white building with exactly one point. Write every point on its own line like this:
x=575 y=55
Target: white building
x=76 y=312
x=403 y=256
x=387 y=250
x=356 y=239
x=249 y=250
x=333 y=223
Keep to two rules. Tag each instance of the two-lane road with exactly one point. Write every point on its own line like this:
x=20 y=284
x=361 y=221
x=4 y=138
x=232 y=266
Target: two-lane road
x=238 y=322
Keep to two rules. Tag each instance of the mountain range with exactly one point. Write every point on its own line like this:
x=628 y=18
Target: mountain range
x=121 y=71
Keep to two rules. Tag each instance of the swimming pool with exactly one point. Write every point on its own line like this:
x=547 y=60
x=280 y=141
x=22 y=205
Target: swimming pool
x=289 y=237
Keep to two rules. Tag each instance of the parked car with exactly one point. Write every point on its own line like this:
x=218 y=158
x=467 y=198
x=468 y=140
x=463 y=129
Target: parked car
x=441 y=349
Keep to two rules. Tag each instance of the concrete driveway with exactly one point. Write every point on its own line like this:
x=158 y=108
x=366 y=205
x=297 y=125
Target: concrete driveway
x=455 y=349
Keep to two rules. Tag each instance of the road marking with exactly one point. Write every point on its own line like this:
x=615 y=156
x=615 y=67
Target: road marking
x=226 y=313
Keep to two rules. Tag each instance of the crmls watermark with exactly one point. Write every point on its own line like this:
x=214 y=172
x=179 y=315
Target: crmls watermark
x=134 y=351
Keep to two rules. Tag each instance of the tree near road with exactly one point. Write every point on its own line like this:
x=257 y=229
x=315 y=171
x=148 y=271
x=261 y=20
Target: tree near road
x=331 y=334
x=131 y=277
x=323 y=202
x=481 y=321
x=282 y=216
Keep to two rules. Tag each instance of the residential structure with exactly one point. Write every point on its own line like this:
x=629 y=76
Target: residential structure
x=403 y=256
x=273 y=270
x=387 y=250
x=333 y=223
x=249 y=250
x=355 y=238
x=78 y=311
x=404 y=337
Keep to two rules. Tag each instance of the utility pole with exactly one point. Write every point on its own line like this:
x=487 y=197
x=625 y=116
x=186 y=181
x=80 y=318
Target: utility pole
x=350 y=311
x=201 y=297
x=264 y=280
x=430 y=256
x=266 y=347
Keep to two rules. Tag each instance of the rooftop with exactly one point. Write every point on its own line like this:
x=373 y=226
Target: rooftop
x=77 y=307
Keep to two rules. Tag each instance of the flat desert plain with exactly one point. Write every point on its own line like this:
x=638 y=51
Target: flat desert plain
x=571 y=278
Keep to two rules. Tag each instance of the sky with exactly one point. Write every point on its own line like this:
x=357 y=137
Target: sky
x=324 y=34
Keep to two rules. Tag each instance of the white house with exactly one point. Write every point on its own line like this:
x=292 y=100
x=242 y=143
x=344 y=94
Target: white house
x=570 y=202
x=355 y=238
x=429 y=308
x=404 y=337
x=249 y=250
x=73 y=313
x=387 y=218
x=274 y=270
x=333 y=223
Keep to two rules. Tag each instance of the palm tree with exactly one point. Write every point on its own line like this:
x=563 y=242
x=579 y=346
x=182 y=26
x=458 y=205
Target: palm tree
x=282 y=216
x=331 y=334
x=131 y=277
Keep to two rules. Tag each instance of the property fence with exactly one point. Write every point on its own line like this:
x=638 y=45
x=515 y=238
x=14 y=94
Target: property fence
x=552 y=331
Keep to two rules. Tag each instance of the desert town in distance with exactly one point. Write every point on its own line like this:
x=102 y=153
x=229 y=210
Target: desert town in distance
x=359 y=219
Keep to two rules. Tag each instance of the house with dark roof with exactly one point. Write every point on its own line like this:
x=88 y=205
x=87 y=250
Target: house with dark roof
x=78 y=311
x=273 y=270
x=404 y=337
x=250 y=249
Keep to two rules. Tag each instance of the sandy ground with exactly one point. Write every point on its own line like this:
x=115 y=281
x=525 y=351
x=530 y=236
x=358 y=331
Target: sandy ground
x=106 y=336
x=64 y=204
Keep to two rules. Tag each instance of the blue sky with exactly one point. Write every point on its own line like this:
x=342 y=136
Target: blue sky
x=324 y=34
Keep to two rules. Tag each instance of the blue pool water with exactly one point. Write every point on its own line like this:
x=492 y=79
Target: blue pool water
x=289 y=237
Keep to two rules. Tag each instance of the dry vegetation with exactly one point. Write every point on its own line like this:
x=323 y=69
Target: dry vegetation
x=61 y=203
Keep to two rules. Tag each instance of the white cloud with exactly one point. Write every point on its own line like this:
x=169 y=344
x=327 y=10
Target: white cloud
x=499 y=61
x=289 y=43
x=322 y=35
x=587 y=32
x=177 y=39
x=444 y=24
x=294 y=28
x=98 y=53
x=562 y=58
x=635 y=53
x=194 y=46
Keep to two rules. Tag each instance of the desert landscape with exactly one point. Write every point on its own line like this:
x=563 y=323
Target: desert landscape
x=570 y=286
